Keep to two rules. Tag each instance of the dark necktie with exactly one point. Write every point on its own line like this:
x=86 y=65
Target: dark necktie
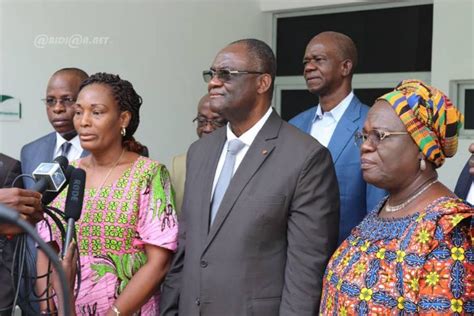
x=65 y=148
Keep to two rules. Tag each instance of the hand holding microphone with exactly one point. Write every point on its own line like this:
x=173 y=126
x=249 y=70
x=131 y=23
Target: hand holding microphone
x=24 y=201
x=51 y=179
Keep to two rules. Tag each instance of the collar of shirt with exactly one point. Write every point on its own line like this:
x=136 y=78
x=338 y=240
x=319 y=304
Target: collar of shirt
x=248 y=137
x=75 y=142
x=470 y=194
x=337 y=112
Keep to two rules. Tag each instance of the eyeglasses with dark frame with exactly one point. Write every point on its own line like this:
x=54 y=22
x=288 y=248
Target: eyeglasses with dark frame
x=216 y=123
x=225 y=75
x=374 y=136
x=63 y=101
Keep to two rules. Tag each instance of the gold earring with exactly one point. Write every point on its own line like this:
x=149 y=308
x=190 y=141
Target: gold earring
x=422 y=165
x=123 y=131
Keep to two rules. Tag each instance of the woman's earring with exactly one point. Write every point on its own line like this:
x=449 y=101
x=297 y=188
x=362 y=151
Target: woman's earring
x=422 y=164
x=123 y=131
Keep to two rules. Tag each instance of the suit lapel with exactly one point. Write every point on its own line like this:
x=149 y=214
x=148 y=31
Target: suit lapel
x=344 y=133
x=258 y=152
x=464 y=183
x=47 y=153
x=4 y=166
x=307 y=124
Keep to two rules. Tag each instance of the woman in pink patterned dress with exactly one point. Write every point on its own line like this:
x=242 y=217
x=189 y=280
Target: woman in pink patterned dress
x=128 y=229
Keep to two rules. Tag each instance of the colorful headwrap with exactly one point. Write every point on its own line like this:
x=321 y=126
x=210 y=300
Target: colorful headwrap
x=429 y=116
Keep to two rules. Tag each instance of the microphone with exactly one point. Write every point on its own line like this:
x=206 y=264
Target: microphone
x=48 y=197
x=11 y=216
x=73 y=206
x=50 y=175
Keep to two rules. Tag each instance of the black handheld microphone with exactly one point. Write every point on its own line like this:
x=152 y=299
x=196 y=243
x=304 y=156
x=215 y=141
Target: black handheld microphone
x=50 y=175
x=73 y=206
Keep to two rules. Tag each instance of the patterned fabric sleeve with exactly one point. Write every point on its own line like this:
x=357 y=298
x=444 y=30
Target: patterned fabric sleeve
x=44 y=231
x=157 y=222
x=447 y=278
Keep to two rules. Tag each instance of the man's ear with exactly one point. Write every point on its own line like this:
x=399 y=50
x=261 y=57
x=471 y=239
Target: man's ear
x=264 y=83
x=346 y=67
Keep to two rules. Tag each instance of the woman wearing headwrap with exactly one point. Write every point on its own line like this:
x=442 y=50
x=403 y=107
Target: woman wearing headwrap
x=413 y=254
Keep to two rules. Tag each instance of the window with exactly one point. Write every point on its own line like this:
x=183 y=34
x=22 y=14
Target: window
x=379 y=69
x=462 y=95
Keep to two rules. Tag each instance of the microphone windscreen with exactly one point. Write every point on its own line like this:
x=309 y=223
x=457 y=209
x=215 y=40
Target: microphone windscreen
x=48 y=197
x=62 y=161
x=75 y=194
x=68 y=172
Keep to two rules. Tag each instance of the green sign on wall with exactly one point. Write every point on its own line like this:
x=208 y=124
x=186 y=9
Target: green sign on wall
x=10 y=108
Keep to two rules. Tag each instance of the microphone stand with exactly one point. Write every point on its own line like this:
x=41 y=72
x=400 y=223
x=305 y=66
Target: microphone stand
x=11 y=216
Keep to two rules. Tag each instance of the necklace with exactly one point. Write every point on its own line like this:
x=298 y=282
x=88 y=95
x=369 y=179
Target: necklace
x=395 y=208
x=108 y=174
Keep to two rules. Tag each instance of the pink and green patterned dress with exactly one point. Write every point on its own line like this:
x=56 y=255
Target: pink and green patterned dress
x=116 y=222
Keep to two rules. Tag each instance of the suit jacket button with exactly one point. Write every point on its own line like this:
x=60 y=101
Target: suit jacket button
x=198 y=302
x=203 y=264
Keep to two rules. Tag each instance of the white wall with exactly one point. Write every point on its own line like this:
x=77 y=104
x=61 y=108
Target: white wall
x=453 y=59
x=160 y=46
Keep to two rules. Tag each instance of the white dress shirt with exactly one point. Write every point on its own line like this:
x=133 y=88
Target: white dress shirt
x=247 y=138
x=470 y=194
x=75 y=151
x=325 y=123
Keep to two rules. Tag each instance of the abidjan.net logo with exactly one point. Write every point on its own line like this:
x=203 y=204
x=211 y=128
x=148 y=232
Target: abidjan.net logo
x=10 y=108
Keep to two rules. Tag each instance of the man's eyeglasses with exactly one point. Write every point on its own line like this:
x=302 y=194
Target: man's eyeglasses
x=374 y=136
x=216 y=123
x=63 y=101
x=225 y=75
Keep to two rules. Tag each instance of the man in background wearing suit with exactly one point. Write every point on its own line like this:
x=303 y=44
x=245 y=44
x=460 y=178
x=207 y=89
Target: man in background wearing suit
x=261 y=209
x=61 y=95
x=207 y=122
x=329 y=63
x=465 y=185
x=25 y=202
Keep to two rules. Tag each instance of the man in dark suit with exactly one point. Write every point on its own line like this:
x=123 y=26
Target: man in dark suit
x=329 y=63
x=27 y=203
x=261 y=209
x=61 y=94
x=465 y=185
